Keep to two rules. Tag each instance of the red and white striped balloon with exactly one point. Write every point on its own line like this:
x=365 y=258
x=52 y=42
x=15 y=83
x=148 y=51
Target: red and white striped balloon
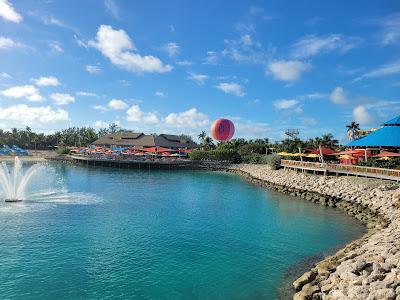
x=222 y=129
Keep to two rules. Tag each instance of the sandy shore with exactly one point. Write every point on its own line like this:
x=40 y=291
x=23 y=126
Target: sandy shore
x=34 y=155
x=368 y=268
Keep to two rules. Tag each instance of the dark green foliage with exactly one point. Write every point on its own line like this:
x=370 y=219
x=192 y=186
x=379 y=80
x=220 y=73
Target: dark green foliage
x=63 y=150
x=216 y=155
x=393 y=163
x=273 y=160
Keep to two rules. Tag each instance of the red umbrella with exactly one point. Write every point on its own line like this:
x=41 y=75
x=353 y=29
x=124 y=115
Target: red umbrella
x=355 y=153
x=151 y=149
x=163 y=149
x=387 y=154
x=324 y=150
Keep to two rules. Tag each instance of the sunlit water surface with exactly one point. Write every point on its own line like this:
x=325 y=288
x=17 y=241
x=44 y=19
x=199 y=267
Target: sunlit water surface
x=107 y=233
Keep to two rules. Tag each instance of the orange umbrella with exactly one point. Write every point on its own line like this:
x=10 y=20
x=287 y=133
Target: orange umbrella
x=151 y=149
x=387 y=154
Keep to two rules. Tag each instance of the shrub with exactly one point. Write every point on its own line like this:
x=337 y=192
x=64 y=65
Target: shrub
x=253 y=158
x=63 y=150
x=273 y=160
x=216 y=155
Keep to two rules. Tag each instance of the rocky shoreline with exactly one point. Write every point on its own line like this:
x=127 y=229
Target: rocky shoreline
x=368 y=268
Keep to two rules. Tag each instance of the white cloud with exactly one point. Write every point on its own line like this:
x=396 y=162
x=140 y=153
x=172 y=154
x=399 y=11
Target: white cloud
x=112 y=8
x=117 y=46
x=361 y=115
x=117 y=104
x=25 y=91
x=56 y=46
x=172 y=48
x=309 y=122
x=62 y=99
x=285 y=103
x=211 y=58
x=231 y=88
x=80 y=42
x=100 y=124
x=390 y=29
x=135 y=115
x=46 y=81
x=25 y=114
x=93 y=69
x=5 y=75
x=250 y=130
x=339 y=96
x=86 y=94
x=381 y=71
x=287 y=70
x=7 y=43
x=184 y=63
x=312 y=45
x=8 y=13
x=314 y=96
x=159 y=94
x=198 y=78
x=187 y=119
x=100 y=107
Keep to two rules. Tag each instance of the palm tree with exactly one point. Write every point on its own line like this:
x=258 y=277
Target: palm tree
x=202 y=136
x=329 y=141
x=352 y=130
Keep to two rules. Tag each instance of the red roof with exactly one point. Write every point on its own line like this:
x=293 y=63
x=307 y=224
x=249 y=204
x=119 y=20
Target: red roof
x=387 y=154
x=324 y=150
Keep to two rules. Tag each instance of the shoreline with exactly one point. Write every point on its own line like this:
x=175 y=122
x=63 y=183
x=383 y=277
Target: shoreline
x=367 y=268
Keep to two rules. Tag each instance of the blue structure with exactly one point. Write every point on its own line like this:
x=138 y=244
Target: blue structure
x=387 y=136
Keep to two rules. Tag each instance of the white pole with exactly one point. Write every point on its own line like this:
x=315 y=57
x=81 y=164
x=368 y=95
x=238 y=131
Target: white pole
x=366 y=157
x=320 y=154
x=301 y=156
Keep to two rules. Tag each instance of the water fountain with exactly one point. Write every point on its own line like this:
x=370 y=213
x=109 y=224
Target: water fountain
x=14 y=182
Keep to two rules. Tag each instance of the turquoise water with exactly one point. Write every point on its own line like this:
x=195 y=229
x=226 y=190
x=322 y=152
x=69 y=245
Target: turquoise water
x=122 y=234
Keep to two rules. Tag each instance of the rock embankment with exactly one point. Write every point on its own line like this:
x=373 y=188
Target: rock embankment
x=368 y=268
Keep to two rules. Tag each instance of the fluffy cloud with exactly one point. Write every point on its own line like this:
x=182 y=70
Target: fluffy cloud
x=28 y=92
x=312 y=45
x=285 y=103
x=46 y=81
x=62 y=99
x=231 y=88
x=5 y=75
x=8 y=13
x=25 y=114
x=172 y=48
x=7 y=43
x=187 y=119
x=117 y=104
x=361 y=115
x=287 y=70
x=339 y=96
x=135 y=115
x=100 y=124
x=381 y=71
x=117 y=46
x=198 y=78
x=93 y=69
x=159 y=94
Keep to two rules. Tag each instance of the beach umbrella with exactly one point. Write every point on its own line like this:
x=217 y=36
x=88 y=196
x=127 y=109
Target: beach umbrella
x=312 y=155
x=384 y=158
x=387 y=154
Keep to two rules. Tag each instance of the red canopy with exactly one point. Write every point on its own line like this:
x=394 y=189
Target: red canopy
x=151 y=149
x=387 y=154
x=324 y=150
x=163 y=149
x=355 y=153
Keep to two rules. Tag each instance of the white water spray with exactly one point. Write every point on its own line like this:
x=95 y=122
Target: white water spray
x=14 y=182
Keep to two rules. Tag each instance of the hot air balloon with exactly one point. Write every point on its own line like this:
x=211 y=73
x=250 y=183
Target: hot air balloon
x=222 y=129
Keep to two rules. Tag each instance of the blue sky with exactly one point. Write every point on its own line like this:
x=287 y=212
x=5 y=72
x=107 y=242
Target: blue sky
x=175 y=66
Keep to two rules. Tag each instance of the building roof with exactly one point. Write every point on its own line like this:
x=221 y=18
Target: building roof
x=141 y=140
x=387 y=136
x=393 y=122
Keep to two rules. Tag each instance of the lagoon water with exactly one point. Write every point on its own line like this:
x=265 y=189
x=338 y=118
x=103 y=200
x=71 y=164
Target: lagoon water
x=158 y=235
